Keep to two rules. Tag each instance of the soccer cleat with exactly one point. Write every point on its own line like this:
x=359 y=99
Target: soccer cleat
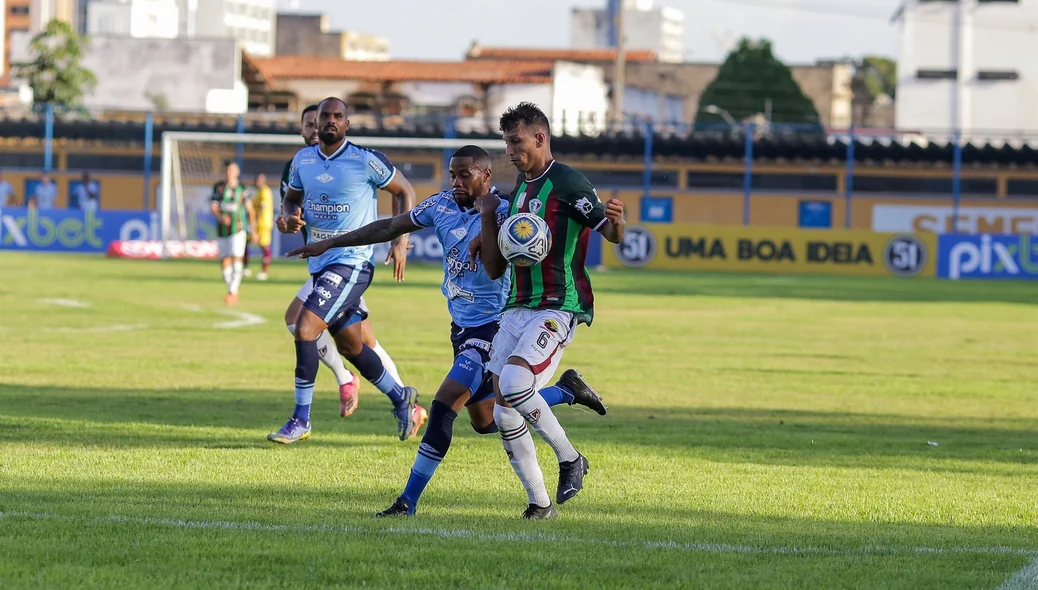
x=420 y=417
x=348 y=398
x=399 y=508
x=535 y=512
x=230 y=298
x=293 y=431
x=262 y=276
x=571 y=478
x=583 y=394
x=247 y=272
x=405 y=414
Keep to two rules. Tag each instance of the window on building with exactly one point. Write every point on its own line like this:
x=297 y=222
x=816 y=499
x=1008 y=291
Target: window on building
x=937 y=74
x=997 y=75
x=763 y=182
x=19 y=11
x=924 y=185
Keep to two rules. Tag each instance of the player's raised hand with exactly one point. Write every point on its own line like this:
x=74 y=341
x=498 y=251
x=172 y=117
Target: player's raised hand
x=614 y=211
x=280 y=224
x=487 y=202
x=475 y=247
x=310 y=250
x=398 y=254
x=294 y=222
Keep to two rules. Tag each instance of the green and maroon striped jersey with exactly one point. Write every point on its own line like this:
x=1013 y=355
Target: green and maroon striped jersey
x=567 y=202
x=231 y=202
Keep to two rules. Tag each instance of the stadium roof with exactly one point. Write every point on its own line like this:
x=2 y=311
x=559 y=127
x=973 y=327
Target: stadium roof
x=477 y=52
x=292 y=67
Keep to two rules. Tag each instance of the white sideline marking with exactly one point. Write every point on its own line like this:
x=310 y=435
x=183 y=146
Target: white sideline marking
x=65 y=303
x=1025 y=579
x=113 y=328
x=533 y=537
x=244 y=319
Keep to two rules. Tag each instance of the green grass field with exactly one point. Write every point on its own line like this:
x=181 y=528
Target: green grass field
x=763 y=432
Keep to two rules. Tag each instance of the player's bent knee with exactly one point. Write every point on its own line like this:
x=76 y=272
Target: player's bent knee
x=292 y=312
x=468 y=370
x=508 y=419
x=516 y=381
x=517 y=361
x=309 y=326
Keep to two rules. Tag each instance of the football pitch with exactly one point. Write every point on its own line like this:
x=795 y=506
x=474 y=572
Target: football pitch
x=763 y=432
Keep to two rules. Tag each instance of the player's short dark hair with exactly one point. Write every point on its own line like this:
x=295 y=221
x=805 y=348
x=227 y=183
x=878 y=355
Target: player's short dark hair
x=336 y=99
x=310 y=108
x=525 y=113
x=479 y=156
x=228 y=162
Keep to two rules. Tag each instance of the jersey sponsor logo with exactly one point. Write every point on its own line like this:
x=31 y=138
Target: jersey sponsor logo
x=477 y=343
x=379 y=170
x=306 y=161
x=326 y=208
x=447 y=210
x=332 y=278
x=352 y=156
x=456 y=292
x=584 y=206
x=521 y=199
x=458 y=264
x=431 y=201
x=325 y=178
x=323 y=292
x=320 y=234
x=460 y=233
x=535 y=206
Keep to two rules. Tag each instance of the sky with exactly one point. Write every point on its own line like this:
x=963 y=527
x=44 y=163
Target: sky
x=801 y=31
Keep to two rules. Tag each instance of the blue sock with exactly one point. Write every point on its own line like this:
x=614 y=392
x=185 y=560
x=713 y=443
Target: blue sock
x=369 y=365
x=307 y=358
x=557 y=394
x=434 y=447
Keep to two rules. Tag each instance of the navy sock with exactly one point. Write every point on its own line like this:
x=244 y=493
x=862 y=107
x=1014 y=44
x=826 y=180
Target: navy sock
x=557 y=394
x=435 y=443
x=488 y=429
x=370 y=366
x=307 y=359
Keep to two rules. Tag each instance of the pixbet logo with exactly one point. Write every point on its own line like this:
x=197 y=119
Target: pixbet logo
x=33 y=231
x=988 y=256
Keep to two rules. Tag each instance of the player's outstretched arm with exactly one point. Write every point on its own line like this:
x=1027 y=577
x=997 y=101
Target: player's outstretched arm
x=615 y=224
x=383 y=230
x=292 y=209
x=489 y=253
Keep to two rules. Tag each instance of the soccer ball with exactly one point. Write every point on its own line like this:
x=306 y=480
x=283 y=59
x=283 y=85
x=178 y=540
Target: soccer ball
x=524 y=239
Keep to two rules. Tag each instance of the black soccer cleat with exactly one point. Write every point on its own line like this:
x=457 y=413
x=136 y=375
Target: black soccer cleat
x=399 y=508
x=571 y=478
x=583 y=394
x=535 y=512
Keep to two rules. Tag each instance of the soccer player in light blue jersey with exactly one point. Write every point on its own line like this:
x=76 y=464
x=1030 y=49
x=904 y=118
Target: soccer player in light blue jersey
x=331 y=191
x=474 y=301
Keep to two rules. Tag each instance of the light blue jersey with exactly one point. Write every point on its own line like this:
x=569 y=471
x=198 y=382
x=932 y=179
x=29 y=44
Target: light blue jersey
x=339 y=196
x=473 y=298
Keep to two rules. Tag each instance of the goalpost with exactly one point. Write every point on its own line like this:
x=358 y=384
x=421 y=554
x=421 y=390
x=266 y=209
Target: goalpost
x=191 y=165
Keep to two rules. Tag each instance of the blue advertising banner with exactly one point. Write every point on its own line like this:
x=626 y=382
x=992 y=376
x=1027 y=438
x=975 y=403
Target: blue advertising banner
x=987 y=256
x=72 y=230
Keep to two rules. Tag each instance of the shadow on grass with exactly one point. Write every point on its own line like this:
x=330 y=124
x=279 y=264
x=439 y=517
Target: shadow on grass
x=1001 y=446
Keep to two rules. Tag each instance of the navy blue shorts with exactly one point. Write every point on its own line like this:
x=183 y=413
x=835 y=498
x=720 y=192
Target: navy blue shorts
x=477 y=339
x=337 y=292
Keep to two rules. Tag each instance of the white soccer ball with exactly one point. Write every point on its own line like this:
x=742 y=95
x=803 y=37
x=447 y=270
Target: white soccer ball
x=524 y=239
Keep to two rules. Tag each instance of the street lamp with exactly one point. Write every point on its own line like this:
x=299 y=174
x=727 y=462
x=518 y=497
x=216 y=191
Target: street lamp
x=716 y=110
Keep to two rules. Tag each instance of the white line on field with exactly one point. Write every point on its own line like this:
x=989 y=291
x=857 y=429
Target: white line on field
x=529 y=537
x=244 y=319
x=1025 y=579
x=65 y=303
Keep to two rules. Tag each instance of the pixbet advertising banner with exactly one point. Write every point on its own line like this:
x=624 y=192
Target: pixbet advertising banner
x=65 y=230
x=759 y=249
x=987 y=256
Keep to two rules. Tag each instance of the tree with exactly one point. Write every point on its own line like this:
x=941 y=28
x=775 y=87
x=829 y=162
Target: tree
x=875 y=78
x=750 y=79
x=55 y=72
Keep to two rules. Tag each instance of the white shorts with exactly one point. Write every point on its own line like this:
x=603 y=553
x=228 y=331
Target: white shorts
x=538 y=336
x=308 y=287
x=232 y=246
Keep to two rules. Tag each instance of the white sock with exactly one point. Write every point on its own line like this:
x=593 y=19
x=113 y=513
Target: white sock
x=387 y=361
x=518 y=386
x=522 y=454
x=235 y=276
x=227 y=273
x=331 y=358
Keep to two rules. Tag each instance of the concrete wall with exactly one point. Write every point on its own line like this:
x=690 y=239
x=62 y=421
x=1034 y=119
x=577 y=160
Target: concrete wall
x=189 y=73
x=306 y=34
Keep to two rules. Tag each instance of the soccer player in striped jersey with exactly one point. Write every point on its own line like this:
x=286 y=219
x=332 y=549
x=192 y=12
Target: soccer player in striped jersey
x=474 y=301
x=546 y=301
x=232 y=206
x=348 y=383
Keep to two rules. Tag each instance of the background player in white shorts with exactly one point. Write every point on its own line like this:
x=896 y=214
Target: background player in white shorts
x=232 y=206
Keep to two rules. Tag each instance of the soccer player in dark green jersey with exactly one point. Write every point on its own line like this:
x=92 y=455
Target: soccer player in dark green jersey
x=546 y=301
x=232 y=206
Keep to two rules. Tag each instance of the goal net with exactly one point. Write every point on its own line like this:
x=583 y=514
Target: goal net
x=193 y=162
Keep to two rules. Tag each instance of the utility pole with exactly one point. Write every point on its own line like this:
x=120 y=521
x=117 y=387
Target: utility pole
x=621 y=64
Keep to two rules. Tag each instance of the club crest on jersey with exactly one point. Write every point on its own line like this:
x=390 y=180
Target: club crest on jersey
x=535 y=206
x=460 y=233
x=325 y=178
x=584 y=206
x=551 y=326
